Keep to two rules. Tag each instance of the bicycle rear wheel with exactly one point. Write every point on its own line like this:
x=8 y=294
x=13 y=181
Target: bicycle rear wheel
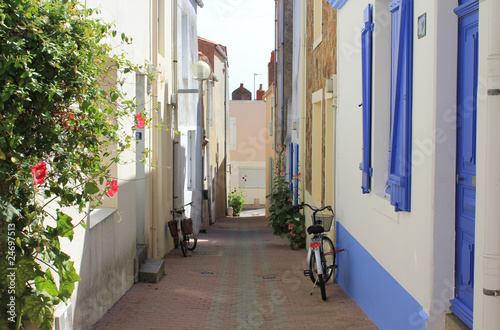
x=322 y=286
x=328 y=255
x=328 y=261
x=191 y=241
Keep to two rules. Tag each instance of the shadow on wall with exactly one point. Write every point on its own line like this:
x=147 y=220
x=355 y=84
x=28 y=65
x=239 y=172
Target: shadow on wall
x=107 y=263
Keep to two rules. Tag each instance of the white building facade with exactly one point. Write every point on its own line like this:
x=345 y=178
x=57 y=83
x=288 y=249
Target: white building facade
x=417 y=160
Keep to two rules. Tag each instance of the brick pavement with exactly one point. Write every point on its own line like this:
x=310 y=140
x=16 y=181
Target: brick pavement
x=239 y=277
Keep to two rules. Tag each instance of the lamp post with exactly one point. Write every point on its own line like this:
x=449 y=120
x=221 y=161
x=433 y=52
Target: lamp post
x=200 y=71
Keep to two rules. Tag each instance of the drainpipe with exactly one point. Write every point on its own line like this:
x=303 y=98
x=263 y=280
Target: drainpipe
x=276 y=37
x=489 y=27
x=303 y=91
x=175 y=87
x=154 y=133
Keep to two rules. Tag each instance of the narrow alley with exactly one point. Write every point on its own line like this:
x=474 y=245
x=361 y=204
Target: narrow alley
x=239 y=277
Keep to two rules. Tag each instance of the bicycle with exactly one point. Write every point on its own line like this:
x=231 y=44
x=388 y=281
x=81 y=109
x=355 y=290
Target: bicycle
x=321 y=255
x=182 y=227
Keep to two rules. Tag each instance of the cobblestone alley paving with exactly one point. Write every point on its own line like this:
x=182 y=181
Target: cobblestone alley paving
x=239 y=277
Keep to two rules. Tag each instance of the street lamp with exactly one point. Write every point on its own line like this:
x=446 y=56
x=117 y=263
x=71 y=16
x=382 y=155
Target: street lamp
x=201 y=70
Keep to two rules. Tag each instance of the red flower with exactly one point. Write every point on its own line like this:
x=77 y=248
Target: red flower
x=140 y=121
x=39 y=172
x=290 y=227
x=113 y=189
x=302 y=235
x=293 y=235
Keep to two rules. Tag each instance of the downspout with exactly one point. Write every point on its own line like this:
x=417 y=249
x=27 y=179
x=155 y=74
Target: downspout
x=226 y=116
x=276 y=37
x=282 y=56
x=489 y=27
x=154 y=133
x=303 y=91
x=175 y=87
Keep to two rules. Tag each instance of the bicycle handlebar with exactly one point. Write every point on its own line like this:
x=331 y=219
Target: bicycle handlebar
x=301 y=206
x=180 y=210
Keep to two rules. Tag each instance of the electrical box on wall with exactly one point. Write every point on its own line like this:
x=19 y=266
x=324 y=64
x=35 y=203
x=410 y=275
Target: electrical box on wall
x=331 y=85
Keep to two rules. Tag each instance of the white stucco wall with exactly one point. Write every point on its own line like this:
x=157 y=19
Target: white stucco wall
x=417 y=247
x=186 y=114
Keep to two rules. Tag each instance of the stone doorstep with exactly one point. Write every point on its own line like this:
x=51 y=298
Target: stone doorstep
x=151 y=270
x=141 y=254
x=452 y=322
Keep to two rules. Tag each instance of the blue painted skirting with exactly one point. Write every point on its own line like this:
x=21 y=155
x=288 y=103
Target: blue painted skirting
x=382 y=298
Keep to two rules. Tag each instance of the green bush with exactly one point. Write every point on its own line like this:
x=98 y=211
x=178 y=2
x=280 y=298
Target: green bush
x=284 y=218
x=237 y=199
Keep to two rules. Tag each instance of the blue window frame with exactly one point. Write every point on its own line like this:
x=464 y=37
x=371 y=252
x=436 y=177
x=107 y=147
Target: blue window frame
x=296 y=172
x=366 y=58
x=290 y=166
x=399 y=181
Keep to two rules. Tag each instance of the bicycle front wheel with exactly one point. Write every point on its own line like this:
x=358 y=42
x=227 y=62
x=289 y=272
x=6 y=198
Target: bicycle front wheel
x=191 y=241
x=183 y=244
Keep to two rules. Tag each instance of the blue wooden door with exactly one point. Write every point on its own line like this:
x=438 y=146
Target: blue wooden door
x=462 y=304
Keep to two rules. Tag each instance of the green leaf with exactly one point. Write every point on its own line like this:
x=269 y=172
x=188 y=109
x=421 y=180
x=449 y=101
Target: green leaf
x=68 y=277
x=5 y=96
x=64 y=225
x=7 y=211
x=24 y=272
x=48 y=285
x=39 y=312
x=91 y=188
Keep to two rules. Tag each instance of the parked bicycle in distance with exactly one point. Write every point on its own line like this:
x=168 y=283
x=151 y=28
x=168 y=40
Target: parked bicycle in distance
x=181 y=229
x=321 y=255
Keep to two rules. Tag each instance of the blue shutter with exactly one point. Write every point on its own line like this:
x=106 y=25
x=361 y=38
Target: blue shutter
x=290 y=166
x=366 y=58
x=296 y=172
x=399 y=182
x=337 y=4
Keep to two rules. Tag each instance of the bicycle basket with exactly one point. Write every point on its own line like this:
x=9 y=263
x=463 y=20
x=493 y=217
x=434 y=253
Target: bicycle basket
x=172 y=226
x=187 y=226
x=325 y=220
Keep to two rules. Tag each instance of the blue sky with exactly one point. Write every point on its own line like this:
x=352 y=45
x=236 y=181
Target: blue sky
x=246 y=28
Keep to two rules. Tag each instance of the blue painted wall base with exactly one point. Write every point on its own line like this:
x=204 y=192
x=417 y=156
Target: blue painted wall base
x=380 y=296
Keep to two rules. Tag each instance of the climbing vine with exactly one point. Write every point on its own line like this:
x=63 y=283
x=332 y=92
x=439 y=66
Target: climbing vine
x=63 y=115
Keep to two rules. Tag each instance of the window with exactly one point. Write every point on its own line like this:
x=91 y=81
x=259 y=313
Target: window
x=296 y=172
x=318 y=22
x=232 y=133
x=255 y=178
x=317 y=144
x=290 y=165
x=366 y=58
x=399 y=181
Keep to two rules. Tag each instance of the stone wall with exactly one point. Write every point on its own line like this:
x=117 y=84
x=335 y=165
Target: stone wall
x=320 y=65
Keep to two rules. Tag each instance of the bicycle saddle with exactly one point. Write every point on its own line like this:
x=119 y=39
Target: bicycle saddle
x=315 y=229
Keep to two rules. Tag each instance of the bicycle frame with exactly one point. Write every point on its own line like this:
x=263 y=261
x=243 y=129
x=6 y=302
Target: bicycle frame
x=182 y=238
x=316 y=247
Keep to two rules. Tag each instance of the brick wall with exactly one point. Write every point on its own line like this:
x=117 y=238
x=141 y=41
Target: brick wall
x=320 y=65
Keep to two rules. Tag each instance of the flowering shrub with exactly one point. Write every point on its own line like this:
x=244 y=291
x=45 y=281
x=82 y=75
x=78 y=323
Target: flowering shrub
x=297 y=233
x=286 y=220
x=237 y=199
x=57 y=142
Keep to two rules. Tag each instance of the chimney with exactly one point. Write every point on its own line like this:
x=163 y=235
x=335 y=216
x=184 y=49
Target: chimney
x=260 y=93
x=270 y=70
x=241 y=93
